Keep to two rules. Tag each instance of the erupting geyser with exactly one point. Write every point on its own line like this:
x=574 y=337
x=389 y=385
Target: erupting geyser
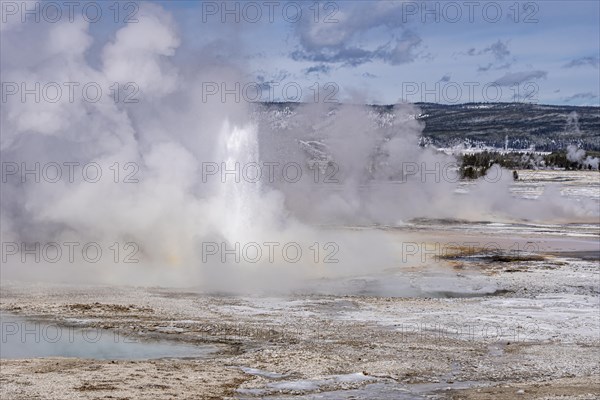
x=240 y=195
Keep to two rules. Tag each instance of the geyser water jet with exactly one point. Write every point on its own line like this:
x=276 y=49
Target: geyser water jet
x=241 y=197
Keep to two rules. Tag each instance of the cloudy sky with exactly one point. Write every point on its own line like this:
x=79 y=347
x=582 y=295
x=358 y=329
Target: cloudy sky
x=380 y=51
x=386 y=51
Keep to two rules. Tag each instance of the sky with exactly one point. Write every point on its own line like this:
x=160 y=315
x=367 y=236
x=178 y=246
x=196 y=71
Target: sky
x=385 y=52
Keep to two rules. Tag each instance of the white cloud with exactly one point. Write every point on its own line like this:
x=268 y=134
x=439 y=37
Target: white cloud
x=516 y=78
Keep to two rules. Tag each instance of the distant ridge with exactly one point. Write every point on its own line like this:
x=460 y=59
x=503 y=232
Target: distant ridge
x=519 y=125
x=546 y=127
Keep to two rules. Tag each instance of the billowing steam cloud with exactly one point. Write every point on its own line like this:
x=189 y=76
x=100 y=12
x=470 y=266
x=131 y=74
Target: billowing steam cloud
x=157 y=157
x=577 y=155
x=574 y=153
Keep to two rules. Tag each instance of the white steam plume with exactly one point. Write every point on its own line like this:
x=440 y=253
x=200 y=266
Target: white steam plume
x=170 y=134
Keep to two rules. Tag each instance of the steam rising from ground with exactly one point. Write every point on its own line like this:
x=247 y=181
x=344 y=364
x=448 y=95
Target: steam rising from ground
x=577 y=155
x=574 y=153
x=172 y=211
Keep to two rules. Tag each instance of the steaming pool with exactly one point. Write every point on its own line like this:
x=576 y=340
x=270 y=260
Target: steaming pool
x=25 y=338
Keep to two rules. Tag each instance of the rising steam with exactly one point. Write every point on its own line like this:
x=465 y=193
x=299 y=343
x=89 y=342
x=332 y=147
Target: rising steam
x=170 y=134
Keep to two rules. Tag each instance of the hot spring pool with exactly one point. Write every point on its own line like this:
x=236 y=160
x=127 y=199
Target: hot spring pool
x=22 y=338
